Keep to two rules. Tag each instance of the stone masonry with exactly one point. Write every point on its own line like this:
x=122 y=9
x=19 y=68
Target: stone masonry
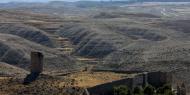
x=36 y=67
x=156 y=79
x=36 y=62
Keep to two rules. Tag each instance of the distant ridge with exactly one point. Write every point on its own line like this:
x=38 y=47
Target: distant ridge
x=43 y=1
x=161 y=0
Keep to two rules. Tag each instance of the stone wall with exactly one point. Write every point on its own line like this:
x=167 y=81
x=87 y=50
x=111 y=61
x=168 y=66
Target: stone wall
x=140 y=80
x=107 y=88
x=156 y=79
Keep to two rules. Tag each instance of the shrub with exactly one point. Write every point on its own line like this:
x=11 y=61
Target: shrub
x=138 y=91
x=121 y=90
x=169 y=92
x=149 y=90
x=166 y=90
x=167 y=87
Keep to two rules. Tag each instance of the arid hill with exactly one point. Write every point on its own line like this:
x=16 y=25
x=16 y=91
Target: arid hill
x=132 y=38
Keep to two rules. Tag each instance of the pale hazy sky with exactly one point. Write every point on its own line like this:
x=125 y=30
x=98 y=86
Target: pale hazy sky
x=41 y=0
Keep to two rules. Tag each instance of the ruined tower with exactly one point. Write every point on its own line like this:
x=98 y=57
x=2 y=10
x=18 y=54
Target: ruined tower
x=36 y=67
x=36 y=62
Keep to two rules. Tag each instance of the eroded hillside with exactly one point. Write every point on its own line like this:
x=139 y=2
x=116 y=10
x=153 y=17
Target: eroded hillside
x=18 y=40
x=125 y=40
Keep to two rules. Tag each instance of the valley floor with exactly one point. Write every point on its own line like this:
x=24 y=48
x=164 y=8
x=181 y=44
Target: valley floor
x=55 y=85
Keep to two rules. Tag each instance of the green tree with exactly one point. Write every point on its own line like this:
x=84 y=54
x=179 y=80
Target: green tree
x=165 y=90
x=121 y=90
x=138 y=91
x=149 y=90
x=169 y=92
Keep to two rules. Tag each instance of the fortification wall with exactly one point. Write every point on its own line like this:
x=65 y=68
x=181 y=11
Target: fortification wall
x=107 y=88
x=156 y=79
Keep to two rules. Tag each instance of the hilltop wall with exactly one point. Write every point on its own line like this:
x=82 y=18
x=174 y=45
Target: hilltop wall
x=153 y=78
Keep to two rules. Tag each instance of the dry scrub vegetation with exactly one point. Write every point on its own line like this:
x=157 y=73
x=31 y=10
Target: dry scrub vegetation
x=72 y=84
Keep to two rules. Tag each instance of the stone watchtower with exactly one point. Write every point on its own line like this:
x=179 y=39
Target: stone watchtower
x=36 y=67
x=36 y=62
